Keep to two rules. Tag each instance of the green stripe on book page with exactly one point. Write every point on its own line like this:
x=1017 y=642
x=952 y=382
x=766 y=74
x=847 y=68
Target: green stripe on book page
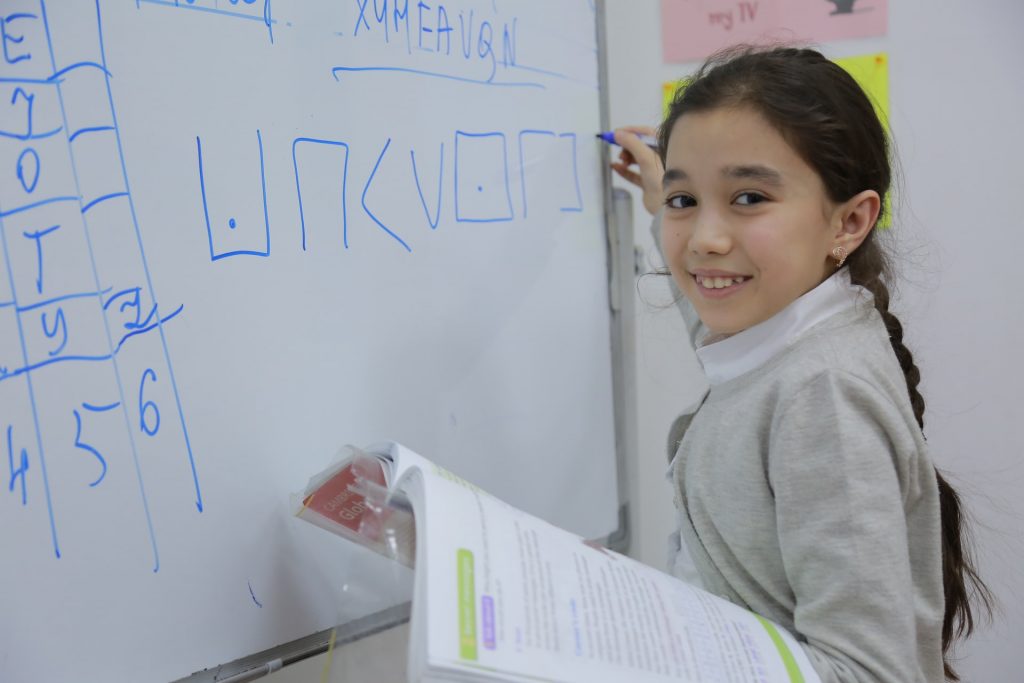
x=795 y=676
x=467 y=605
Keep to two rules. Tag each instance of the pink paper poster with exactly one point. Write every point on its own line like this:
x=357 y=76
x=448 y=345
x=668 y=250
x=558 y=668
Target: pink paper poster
x=693 y=29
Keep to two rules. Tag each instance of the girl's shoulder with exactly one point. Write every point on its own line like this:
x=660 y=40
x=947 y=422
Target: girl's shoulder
x=854 y=340
x=848 y=359
x=848 y=351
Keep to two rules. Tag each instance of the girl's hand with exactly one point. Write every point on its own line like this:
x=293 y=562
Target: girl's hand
x=639 y=164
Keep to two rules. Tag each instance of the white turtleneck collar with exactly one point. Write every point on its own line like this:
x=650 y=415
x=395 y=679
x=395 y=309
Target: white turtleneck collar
x=747 y=350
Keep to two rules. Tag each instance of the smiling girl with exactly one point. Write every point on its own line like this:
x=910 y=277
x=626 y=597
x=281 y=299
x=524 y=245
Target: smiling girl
x=803 y=483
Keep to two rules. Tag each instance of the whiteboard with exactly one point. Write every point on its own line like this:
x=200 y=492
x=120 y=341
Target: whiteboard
x=239 y=234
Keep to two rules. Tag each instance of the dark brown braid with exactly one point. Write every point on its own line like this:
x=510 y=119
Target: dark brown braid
x=866 y=266
x=827 y=118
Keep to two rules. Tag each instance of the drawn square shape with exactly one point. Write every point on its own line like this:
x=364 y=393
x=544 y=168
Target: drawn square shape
x=97 y=160
x=85 y=99
x=482 y=192
x=321 y=177
x=73 y=34
x=548 y=175
x=232 y=184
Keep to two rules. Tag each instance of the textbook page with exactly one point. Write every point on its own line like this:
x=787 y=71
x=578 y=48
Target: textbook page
x=510 y=597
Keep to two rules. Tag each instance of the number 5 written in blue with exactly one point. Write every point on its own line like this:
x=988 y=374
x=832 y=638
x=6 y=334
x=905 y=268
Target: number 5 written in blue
x=86 y=447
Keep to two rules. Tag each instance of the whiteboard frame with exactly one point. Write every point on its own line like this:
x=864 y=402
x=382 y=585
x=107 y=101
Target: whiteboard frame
x=618 y=213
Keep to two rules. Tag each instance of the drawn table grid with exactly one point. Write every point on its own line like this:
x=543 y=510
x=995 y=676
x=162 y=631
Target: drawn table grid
x=71 y=301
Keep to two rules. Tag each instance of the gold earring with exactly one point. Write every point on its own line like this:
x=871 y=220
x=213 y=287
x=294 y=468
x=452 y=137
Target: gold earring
x=839 y=254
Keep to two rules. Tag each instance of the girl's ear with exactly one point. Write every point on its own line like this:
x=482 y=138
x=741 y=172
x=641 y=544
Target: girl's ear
x=854 y=219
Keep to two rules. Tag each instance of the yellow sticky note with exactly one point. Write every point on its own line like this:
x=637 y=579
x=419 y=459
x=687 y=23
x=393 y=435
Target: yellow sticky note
x=872 y=73
x=668 y=90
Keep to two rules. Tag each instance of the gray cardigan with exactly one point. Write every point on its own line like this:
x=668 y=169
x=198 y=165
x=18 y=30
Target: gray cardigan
x=806 y=495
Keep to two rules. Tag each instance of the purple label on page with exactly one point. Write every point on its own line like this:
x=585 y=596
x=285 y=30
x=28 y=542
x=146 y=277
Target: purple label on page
x=487 y=607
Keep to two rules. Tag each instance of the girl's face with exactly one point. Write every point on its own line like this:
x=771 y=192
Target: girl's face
x=746 y=226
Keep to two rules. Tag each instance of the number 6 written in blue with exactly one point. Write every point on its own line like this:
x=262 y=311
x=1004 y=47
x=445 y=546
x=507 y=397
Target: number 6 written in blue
x=149 y=429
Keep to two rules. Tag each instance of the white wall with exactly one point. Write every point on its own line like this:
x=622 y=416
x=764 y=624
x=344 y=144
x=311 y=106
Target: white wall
x=956 y=98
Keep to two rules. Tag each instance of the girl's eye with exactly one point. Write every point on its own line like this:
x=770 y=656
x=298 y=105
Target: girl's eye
x=680 y=201
x=750 y=198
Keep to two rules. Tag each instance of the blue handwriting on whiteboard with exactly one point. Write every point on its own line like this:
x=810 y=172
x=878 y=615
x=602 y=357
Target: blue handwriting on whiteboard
x=29 y=102
x=476 y=43
x=38 y=237
x=341 y=146
x=477 y=201
x=481 y=191
x=366 y=188
x=86 y=447
x=149 y=427
x=46 y=320
x=252 y=241
x=59 y=324
x=16 y=474
x=419 y=190
x=265 y=17
x=7 y=37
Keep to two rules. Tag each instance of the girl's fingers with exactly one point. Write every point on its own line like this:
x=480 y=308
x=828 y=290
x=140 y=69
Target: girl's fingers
x=639 y=165
x=640 y=130
x=645 y=157
x=626 y=174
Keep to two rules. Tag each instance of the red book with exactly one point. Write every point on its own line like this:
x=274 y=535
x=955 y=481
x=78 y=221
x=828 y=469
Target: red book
x=351 y=499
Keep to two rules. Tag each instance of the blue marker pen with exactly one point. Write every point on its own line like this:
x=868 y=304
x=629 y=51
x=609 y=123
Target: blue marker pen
x=648 y=140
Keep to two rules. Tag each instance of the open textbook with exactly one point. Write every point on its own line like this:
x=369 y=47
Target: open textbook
x=500 y=595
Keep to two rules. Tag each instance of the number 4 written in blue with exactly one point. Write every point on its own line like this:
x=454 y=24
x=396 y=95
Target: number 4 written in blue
x=19 y=473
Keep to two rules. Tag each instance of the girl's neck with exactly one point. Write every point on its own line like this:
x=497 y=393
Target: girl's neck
x=713 y=337
x=725 y=358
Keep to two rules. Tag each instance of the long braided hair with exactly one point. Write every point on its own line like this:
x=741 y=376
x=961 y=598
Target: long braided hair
x=822 y=112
